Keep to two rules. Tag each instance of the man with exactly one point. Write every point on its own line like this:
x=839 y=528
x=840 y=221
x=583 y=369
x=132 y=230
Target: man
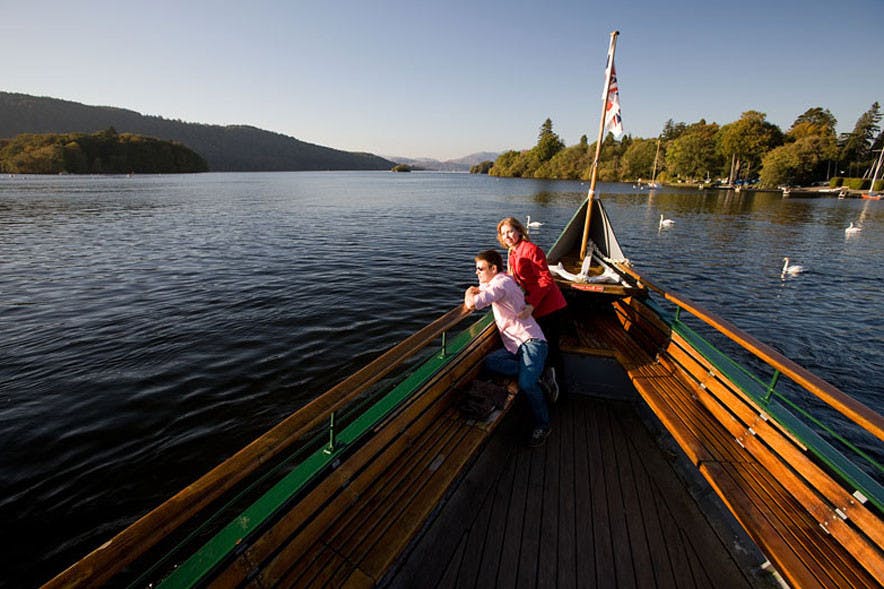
x=525 y=347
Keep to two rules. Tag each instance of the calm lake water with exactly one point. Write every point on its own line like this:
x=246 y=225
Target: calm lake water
x=152 y=326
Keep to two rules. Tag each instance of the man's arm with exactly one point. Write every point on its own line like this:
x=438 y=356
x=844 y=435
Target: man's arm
x=469 y=297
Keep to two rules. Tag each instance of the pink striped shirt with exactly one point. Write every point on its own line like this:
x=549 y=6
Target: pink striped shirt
x=507 y=301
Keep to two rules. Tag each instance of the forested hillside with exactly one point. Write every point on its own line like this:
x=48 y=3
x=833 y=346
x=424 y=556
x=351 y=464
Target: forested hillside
x=225 y=148
x=105 y=152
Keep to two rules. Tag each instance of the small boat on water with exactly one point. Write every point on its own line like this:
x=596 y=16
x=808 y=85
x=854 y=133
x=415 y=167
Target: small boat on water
x=653 y=183
x=872 y=194
x=384 y=480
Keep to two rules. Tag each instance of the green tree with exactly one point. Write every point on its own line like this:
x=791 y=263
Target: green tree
x=817 y=119
x=672 y=131
x=810 y=147
x=693 y=154
x=638 y=160
x=798 y=162
x=533 y=163
x=610 y=159
x=856 y=147
x=748 y=139
x=507 y=164
x=482 y=167
x=102 y=152
x=548 y=143
x=74 y=158
x=571 y=163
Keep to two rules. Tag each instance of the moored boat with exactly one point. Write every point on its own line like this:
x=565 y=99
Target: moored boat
x=354 y=488
x=872 y=194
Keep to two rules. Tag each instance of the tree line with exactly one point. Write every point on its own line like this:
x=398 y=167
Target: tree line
x=750 y=149
x=105 y=152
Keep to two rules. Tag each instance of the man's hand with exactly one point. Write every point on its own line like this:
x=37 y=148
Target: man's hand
x=469 y=297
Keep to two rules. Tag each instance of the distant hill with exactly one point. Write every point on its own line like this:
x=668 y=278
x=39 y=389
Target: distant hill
x=461 y=164
x=231 y=148
x=106 y=152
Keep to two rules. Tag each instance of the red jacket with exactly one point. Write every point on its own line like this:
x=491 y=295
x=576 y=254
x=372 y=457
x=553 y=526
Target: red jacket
x=527 y=264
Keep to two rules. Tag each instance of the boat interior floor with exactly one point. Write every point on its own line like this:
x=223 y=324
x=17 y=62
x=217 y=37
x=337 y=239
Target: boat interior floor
x=599 y=505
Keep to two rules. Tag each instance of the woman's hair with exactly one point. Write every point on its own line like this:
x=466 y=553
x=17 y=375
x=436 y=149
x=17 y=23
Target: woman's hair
x=515 y=224
x=492 y=258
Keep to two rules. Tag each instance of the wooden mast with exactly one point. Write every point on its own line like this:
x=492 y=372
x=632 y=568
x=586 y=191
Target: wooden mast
x=598 y=145
x=875 y=173
x=656 y=155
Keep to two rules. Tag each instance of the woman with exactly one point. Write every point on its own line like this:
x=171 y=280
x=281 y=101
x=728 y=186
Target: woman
x=526 y=263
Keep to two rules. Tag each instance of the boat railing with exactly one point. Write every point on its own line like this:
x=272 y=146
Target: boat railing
x=129 y=545
x=768 y=394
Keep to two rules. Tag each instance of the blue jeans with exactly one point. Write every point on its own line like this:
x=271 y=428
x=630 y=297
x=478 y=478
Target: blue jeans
x=527 y=364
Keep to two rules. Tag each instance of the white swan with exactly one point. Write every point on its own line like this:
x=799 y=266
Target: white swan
x=853 y=229
x=665 y=222
x=533 y=224
x=792 y=270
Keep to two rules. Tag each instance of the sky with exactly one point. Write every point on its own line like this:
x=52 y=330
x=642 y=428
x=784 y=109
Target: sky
x=446 y=79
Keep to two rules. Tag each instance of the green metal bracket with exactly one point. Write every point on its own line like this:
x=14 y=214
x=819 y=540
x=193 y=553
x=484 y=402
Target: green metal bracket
x=772 y=386
x=331 y=447
x=444 y=351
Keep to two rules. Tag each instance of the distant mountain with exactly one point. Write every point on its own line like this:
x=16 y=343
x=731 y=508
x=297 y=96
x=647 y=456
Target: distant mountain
x=461 y=164
x=225 y=148
x=476 y=158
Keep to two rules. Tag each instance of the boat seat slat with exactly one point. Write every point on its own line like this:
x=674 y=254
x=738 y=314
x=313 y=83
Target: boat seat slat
x=300 y=546
x=787 y=459
x=404 y=481
x=775 y=490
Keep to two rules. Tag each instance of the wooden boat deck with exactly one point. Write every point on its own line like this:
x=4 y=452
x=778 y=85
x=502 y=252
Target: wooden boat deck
x=598 y=506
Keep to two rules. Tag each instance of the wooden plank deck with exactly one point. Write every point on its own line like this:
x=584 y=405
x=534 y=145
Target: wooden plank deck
x=598 y=506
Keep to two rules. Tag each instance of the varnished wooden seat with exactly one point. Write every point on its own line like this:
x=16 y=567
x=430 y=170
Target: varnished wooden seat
x=783 y=499
x=352 y=526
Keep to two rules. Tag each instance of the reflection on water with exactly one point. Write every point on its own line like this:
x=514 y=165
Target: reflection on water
x=151 y=326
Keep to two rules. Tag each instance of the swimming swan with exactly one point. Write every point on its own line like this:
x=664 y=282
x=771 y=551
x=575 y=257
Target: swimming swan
x=533 y=224
x=666 y=222
x=788 y=270
x=853 y=229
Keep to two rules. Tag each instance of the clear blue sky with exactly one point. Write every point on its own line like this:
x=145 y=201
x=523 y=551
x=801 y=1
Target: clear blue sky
x=446 y=79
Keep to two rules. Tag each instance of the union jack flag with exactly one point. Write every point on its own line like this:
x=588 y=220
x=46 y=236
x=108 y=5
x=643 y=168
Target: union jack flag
x=613 y=121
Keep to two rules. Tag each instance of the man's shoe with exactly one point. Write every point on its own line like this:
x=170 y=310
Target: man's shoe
x=538 y=437
x=551 y=386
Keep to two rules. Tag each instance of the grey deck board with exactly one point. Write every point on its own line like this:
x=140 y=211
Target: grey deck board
x=598 y=506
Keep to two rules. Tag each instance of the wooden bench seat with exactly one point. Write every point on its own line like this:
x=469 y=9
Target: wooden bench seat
x=350 y=528
x=784 y=500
